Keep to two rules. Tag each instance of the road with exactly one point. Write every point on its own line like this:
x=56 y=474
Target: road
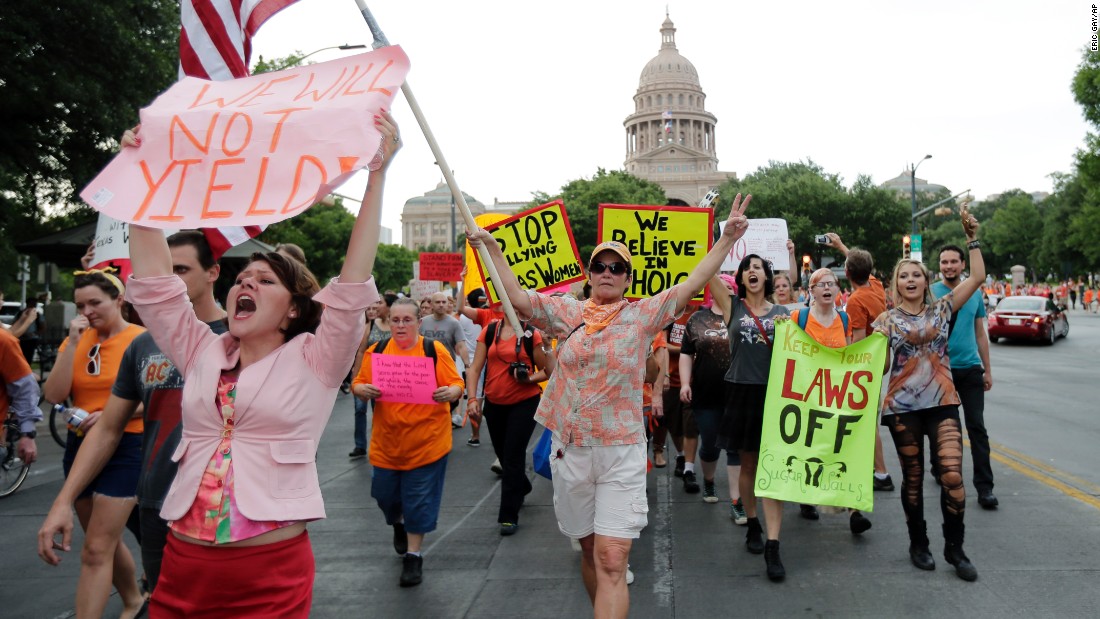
x=1038 y=555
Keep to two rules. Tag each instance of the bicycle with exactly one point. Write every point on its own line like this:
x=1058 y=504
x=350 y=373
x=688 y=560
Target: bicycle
x=13 y=470
x=56 y=422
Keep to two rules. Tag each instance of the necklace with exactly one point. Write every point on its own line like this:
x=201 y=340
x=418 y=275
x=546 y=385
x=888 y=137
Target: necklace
x=908 y=313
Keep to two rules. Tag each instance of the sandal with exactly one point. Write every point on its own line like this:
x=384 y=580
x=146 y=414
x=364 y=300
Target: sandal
x=659 y=460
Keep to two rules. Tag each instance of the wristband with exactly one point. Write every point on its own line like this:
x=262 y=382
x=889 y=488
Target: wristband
x=975 y=244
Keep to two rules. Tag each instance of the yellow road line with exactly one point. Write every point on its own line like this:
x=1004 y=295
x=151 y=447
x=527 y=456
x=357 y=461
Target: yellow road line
x=1050 y=470
x=1047 y=479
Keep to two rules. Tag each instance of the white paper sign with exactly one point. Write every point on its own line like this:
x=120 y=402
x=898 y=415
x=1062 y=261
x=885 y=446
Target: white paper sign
x=766 y=238
x=422 y=290
x=112 y=240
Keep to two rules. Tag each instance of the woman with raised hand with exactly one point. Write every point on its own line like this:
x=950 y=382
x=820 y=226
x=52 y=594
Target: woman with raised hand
x=593 y=403
x=750 y=320
x=921 y=400
x=255 y=404
x=86 y=367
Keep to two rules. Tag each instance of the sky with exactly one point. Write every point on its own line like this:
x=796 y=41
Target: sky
x=528 y=96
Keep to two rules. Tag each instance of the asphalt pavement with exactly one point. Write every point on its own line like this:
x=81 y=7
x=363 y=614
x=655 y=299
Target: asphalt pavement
x=1038 y=555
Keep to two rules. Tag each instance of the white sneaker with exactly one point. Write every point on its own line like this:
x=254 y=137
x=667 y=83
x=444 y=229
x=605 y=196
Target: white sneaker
x=629 y=575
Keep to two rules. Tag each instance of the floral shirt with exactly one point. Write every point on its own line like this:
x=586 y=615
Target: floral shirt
x=214 y=516
x=921 y=375
x=594 y=396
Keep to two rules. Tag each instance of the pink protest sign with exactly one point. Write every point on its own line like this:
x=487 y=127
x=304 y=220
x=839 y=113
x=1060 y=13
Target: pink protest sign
x=250 y=151
x=403 y=379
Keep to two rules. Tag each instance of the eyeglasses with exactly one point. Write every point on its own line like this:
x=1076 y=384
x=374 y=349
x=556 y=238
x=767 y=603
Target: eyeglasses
x=616 y=268
x=826 y=285
x=94 y=361
x=402 y=321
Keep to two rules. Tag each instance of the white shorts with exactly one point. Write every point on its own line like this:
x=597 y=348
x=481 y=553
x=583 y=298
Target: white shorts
x=600 y=489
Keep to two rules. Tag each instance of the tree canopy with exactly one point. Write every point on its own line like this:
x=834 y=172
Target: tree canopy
x=73 y=78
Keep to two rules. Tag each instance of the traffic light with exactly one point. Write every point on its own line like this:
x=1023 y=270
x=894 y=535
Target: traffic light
x=905 y=247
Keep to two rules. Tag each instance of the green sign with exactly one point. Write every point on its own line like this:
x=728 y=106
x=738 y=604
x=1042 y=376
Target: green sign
x=817 y=445
x=916 y=249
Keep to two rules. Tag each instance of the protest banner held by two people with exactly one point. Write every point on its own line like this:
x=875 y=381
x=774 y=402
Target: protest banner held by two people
x=817 y=445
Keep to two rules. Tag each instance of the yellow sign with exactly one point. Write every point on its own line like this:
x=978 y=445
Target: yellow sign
x=665 y=243
x=539 y=247
x=473 y=276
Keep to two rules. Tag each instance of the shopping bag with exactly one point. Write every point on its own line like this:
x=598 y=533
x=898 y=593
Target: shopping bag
x=540 y=457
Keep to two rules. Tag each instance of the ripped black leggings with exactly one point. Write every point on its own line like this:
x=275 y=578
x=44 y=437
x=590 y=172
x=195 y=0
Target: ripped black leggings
x=941 y=426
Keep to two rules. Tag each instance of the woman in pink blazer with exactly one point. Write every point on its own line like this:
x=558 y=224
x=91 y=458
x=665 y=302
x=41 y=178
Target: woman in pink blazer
x=255 y=402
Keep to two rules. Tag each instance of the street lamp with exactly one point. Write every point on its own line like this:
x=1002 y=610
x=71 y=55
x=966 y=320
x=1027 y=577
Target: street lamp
x=913 y=188
x=345 y=46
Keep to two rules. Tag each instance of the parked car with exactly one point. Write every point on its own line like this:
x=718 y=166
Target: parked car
x=9 y=312
x=1028 y=318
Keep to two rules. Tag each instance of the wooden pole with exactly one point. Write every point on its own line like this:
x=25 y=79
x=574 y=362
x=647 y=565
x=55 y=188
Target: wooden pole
x=506 y=303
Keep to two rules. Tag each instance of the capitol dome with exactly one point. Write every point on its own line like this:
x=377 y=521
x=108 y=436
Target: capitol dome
x=668 y=65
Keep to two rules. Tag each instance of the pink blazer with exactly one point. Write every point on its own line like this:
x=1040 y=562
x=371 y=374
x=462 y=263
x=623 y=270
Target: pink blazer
x=283 y=401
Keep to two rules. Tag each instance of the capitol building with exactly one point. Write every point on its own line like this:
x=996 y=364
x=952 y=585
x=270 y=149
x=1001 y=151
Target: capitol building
x=670 y=137
x=670 y=140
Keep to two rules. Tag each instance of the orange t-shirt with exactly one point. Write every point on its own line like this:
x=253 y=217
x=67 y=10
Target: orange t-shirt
x=831 y=336
x=407 y=436
x=13 y=366
x=500 y=386
x=865 y=304
x=91 y=392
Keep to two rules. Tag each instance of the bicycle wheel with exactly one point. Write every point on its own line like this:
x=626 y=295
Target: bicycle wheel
x=58 y=427
x=13 y=471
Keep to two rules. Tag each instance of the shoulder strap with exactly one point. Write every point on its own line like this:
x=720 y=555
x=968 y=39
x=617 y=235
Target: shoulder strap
x=429 y=350
x=759 y=325
x=380 y=346
x=844 y=320
x=491 y=333
x=804 y=317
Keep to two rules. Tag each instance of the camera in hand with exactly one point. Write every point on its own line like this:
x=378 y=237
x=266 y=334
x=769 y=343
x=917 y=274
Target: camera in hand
x=822 y=239
x=520 y=371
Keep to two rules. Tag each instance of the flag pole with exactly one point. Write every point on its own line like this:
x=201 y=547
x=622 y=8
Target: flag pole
x=380 y=40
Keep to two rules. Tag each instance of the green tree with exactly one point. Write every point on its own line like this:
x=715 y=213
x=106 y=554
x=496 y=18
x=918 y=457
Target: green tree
x=582 y=199
x=1078 y=194
x=814 y=202
x=393 y=267
x=1012 y=231
x=73 y=78
x=278 y=64
x=322 y=231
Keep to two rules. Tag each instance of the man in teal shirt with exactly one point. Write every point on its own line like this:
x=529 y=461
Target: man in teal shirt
x=970 y=369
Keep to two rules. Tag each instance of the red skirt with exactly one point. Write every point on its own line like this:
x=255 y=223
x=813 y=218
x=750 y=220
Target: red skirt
x=273 y=580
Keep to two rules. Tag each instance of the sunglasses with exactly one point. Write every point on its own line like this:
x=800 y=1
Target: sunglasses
x=94 y=361
x=616 y=268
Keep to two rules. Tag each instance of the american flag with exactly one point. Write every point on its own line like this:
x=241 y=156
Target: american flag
x=216 y=35
x=216 y=44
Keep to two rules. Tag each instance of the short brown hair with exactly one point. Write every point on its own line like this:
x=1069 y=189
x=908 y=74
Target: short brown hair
x=302 y=286
x=292 y=250
x=859 y=266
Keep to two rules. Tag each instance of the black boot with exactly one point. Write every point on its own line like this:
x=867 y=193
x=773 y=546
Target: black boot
x=776 y=571
x=953 y=551
x=918 y=545
x=754 y=540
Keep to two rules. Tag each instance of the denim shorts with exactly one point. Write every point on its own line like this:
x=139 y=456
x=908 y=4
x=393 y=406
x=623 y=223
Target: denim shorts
x=119 y=477
x=414 y=494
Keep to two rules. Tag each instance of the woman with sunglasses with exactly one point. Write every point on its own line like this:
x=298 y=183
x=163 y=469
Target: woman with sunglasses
x=827 y=327
x=86 y=367
x=593 y=402
x=256 y=401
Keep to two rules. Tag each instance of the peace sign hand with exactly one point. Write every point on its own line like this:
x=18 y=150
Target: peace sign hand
x=737 y=224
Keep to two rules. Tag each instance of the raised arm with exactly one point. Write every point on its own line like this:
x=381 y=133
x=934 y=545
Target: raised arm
x=736 y=226
x=363 y=246
x=969 y=285
x=481 y=238
x=722 y=298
